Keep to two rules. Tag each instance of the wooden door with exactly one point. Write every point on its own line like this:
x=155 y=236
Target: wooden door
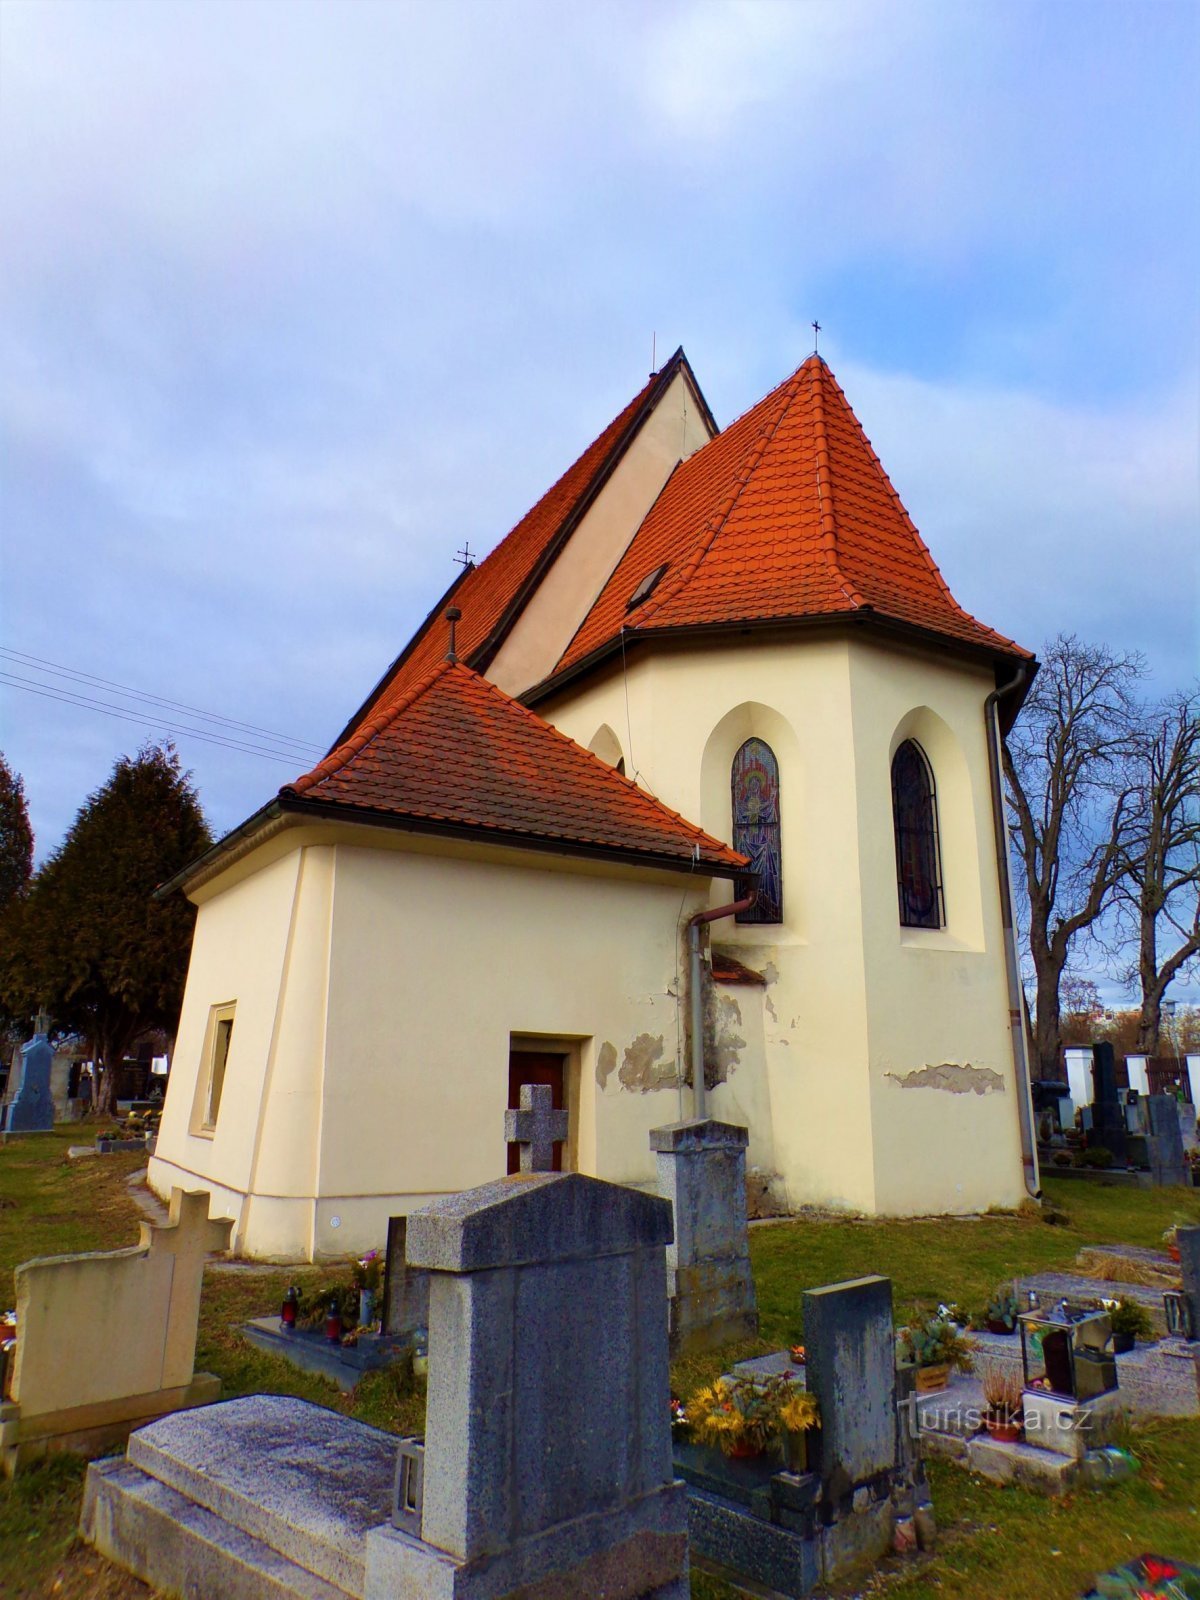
x=534 y=1066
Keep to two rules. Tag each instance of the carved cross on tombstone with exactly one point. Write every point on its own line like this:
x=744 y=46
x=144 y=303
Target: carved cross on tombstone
x=536 y=1127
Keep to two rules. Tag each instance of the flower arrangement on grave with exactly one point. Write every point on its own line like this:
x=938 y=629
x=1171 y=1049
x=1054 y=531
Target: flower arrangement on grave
x=365 y=1275
x=680 y=1424
x=367 y=1272
x=746 y=1417
x=1171 y=1241
x=936 y=1348
x=1000 y=1315
x=1130 y=1321
x=1002 y=1410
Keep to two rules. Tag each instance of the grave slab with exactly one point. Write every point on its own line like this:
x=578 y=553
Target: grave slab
x=307 y=1482
x=178 y=1547
x=310 y=1351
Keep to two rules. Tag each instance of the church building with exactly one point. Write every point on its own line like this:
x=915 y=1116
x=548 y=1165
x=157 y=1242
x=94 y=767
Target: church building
x=709 y=671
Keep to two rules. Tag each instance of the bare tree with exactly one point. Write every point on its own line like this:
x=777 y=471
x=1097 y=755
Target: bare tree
x=1159 y=897
x=1071 y=788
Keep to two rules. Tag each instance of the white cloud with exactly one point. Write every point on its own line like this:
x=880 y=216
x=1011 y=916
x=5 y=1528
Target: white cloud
x=1048 y=517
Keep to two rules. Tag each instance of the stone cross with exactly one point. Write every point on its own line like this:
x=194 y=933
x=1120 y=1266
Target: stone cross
x=536 y=1127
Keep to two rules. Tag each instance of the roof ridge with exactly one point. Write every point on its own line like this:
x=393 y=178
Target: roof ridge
x=825 y=497
x=367 y=730
x=922 y=548
x=622 y=779
x=741 y=477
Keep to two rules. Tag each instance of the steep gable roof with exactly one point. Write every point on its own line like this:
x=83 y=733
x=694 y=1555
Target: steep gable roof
x=491 y=595
x=456 y=754
x=788 y=514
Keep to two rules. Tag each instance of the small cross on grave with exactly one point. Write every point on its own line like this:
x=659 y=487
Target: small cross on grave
x=536 y=1127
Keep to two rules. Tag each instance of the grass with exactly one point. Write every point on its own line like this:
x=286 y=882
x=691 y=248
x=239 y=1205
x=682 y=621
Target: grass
x=992 y=1541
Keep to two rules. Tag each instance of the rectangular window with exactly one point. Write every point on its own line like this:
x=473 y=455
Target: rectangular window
x=220 y=1038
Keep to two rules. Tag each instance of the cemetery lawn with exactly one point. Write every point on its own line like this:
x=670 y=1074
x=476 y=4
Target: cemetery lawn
x=993 y=1541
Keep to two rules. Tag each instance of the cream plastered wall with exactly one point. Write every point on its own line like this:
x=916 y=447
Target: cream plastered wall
x=854 y=1006
x=379 y=980
x=943 y=1082
x=437 y=964
x=674 y=430
x=263 y=944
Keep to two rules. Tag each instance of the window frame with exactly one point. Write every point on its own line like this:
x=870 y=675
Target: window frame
x=934 y=920
x=215 y=1072
x=759 y=914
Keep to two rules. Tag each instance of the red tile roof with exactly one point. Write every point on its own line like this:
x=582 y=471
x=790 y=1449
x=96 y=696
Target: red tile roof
x=457 y=753
x=486 y=593
x=787 y=514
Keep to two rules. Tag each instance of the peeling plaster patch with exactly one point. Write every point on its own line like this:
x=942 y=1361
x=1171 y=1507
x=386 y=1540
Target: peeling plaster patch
x=770 y=1008
x=728 y=1043
x=643 y=1068
x=771 y=972
x=606 y=1063
x=953 y=1079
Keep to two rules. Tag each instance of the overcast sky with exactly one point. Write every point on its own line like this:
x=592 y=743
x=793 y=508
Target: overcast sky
x=297 y=297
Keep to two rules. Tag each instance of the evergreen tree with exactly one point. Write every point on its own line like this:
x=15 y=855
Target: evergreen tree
x=90 y=943
x=16 y=837
x=16 y=869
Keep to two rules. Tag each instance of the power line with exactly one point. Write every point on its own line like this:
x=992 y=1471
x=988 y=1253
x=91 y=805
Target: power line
x=58 y=669
x=52 y=692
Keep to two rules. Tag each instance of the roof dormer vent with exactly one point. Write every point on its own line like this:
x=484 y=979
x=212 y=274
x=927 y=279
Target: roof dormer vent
x=647 y=587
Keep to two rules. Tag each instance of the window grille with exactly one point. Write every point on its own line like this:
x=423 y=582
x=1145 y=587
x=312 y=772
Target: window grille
x=918 y=864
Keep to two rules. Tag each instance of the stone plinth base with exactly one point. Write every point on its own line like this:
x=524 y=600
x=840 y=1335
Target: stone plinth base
x=1070 y=1427
x=91 y=1429
x=638 y=1552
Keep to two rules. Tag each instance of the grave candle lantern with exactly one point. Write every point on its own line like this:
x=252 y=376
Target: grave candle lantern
x=287 y=1311
x=333 y=1323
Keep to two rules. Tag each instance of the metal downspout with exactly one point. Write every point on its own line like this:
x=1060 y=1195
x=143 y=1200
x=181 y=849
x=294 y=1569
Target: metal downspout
x=699 y=1110
x=1016 y=1010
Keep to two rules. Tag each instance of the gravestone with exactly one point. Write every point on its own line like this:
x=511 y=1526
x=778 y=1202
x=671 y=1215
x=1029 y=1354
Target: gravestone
x=535 y=1127
x=702 y=1172
x=1188 y=1241
x=1164 y=1143
x=405 y=1289
x=850 y=1352
x=31 y=1109
x=107 y=1340
x=858 y=1482
x=547 y=1458
x=1108 y=1115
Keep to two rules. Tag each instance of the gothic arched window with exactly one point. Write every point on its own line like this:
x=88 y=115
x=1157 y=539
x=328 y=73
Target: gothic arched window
x=755 y=785
x=914 y=810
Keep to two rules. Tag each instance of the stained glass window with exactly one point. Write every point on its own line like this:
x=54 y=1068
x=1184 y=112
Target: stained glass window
x=755 y=786
x=914 y=809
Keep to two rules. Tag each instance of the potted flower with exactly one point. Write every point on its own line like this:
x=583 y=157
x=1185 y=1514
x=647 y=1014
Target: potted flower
x=742 y=1417
x=1130 y=1322
x=681 y=1427
x=1002 y=1412
x=1001 y=1313
x=935 y=1348
x=1171 y=1241
x=365 y=1274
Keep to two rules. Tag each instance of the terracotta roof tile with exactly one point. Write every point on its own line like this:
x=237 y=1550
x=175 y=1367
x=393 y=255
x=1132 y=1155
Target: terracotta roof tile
x=787 y=514
x=485 y=592
x=457 y=751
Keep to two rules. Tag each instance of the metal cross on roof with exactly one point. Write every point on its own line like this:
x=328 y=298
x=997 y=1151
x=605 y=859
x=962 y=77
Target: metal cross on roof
x=536 y=1127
